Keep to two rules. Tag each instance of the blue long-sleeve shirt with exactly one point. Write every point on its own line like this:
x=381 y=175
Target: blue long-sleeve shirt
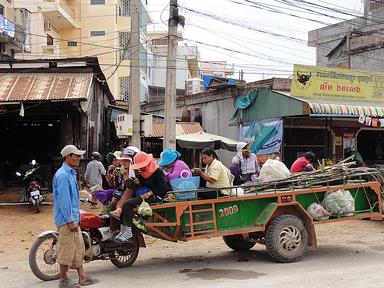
x=66 y=196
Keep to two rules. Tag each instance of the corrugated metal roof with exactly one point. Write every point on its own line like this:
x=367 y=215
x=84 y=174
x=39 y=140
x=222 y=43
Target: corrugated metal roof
x=182 y=128
x=44 y=86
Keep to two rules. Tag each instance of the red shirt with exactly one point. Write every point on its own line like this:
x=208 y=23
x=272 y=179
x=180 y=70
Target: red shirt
x=299 y=165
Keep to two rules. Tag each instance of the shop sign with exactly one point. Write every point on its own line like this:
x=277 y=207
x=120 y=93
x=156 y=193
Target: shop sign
x=337 y=83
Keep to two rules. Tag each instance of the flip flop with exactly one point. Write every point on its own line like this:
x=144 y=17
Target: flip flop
x=114 y=215
x=89 y=281
x=68 y=283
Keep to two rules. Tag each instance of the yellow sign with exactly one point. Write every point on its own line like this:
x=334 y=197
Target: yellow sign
x=336 y=83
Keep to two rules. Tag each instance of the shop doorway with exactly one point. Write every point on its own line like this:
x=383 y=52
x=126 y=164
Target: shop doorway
x=370 y=144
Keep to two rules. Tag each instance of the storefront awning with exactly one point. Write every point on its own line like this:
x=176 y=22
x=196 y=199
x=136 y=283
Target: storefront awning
x=272 y=104
x=340 y=107
x=18 y=87
x=203 y=140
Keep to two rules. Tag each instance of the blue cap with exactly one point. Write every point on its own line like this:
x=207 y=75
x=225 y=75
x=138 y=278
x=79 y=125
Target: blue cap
x=168 y=156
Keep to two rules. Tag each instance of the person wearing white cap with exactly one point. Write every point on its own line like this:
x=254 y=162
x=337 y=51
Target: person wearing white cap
x=244 y=165
x=70 y=250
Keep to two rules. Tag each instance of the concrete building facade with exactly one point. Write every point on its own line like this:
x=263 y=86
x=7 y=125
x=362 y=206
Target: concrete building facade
x=101 y=28
x=355 y=44
x=187 y=64
x=14 y=30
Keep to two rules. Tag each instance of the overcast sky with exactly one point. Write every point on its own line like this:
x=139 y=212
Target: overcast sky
x=262 y=43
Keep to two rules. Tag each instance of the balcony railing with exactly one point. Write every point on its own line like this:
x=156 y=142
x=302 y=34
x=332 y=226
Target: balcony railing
x=11 y=32
x=65 y=6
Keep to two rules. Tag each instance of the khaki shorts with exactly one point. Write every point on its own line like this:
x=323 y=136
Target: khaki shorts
x=70 y=251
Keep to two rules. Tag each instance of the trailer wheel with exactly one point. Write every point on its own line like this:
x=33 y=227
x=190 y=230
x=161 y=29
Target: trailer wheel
x=286 y=239
x=238 y=243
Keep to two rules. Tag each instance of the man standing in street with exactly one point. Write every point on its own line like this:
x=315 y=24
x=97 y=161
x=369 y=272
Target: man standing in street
x=95 y=170
x=70 y=251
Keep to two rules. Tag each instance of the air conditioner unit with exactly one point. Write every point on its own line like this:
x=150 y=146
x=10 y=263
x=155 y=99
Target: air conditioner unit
x=194 y=86
x=124 y=125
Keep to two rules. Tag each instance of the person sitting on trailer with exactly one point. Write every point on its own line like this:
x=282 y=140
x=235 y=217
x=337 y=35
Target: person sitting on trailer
x=113 y=177
x=215 y=174
x=152 y=177
x=304 y=163
x=175 y=168
x=244 y=165
x=348 y=152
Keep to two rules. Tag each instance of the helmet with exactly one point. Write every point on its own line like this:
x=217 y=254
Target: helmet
x=96 y=155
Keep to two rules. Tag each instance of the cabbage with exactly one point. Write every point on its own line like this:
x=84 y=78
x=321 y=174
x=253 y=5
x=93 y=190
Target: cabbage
x=339 y=202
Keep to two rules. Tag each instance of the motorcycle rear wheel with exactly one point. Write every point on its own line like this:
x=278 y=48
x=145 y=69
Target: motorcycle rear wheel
x=123 y=260
x=42 y=258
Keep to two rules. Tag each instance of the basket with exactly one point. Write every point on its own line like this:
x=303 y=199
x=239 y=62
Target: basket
x=185 y=184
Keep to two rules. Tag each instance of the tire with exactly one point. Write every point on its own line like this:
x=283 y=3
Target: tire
x=123 y=260
x=238 y=243
x=48 y=258
x=286 y=239
x=37 y=207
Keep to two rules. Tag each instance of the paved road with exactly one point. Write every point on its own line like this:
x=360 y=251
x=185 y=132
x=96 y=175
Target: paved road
x=344 y=259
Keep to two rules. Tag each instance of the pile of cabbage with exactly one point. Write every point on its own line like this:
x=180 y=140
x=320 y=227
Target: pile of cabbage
x=338 y=202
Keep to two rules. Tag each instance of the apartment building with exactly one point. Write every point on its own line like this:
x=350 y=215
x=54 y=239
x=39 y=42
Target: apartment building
x=187 y=64
x=14 y=28
x=102 y=28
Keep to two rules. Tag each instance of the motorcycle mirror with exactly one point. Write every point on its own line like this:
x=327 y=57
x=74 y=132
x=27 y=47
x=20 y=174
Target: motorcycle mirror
x=33 y=162
x=18 y=174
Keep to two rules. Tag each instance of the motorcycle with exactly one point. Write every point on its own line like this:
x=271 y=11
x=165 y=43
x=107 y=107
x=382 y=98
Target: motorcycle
x=98 y=246
x=32 y=193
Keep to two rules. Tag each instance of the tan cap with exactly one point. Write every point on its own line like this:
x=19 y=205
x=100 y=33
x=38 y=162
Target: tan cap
x=71 y=149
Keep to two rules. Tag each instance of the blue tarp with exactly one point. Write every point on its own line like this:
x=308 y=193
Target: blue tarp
x=208 y=80
x=266 y=135
x=244 y=102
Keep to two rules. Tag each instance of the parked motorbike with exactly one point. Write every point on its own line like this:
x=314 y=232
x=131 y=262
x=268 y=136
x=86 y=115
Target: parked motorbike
x=98 y=246
x=32 y=190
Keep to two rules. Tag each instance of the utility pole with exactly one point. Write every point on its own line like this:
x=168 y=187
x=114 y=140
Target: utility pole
x=134 y=75
x=170 y=88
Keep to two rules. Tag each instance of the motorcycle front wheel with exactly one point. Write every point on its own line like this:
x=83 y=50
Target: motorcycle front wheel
x=37 y=206
x=42 y=258
x=127 y=258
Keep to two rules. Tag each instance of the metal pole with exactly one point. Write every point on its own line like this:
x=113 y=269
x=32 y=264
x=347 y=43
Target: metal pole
x=134 y=75
x=170 y=89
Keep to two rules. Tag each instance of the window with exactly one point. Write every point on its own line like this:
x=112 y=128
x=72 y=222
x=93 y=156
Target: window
x=72 y=44
x=49 y=40
x=1 y=10
x=124 y=44
x=97 y=2
x=375 y=4
x=124 y=88
x=124 y=8
x=97 y=33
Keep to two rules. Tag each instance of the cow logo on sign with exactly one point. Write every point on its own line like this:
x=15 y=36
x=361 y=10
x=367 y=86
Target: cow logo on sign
x=303 y=80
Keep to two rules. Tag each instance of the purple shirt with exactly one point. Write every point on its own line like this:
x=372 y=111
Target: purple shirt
x=178 y=167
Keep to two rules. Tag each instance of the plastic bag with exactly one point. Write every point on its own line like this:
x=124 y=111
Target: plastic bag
x=317 y=211
x=144 y=209
x=339 y=202
x=273 y=170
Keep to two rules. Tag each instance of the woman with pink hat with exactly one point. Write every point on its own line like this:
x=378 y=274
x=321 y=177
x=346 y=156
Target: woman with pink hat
x=150 y=176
